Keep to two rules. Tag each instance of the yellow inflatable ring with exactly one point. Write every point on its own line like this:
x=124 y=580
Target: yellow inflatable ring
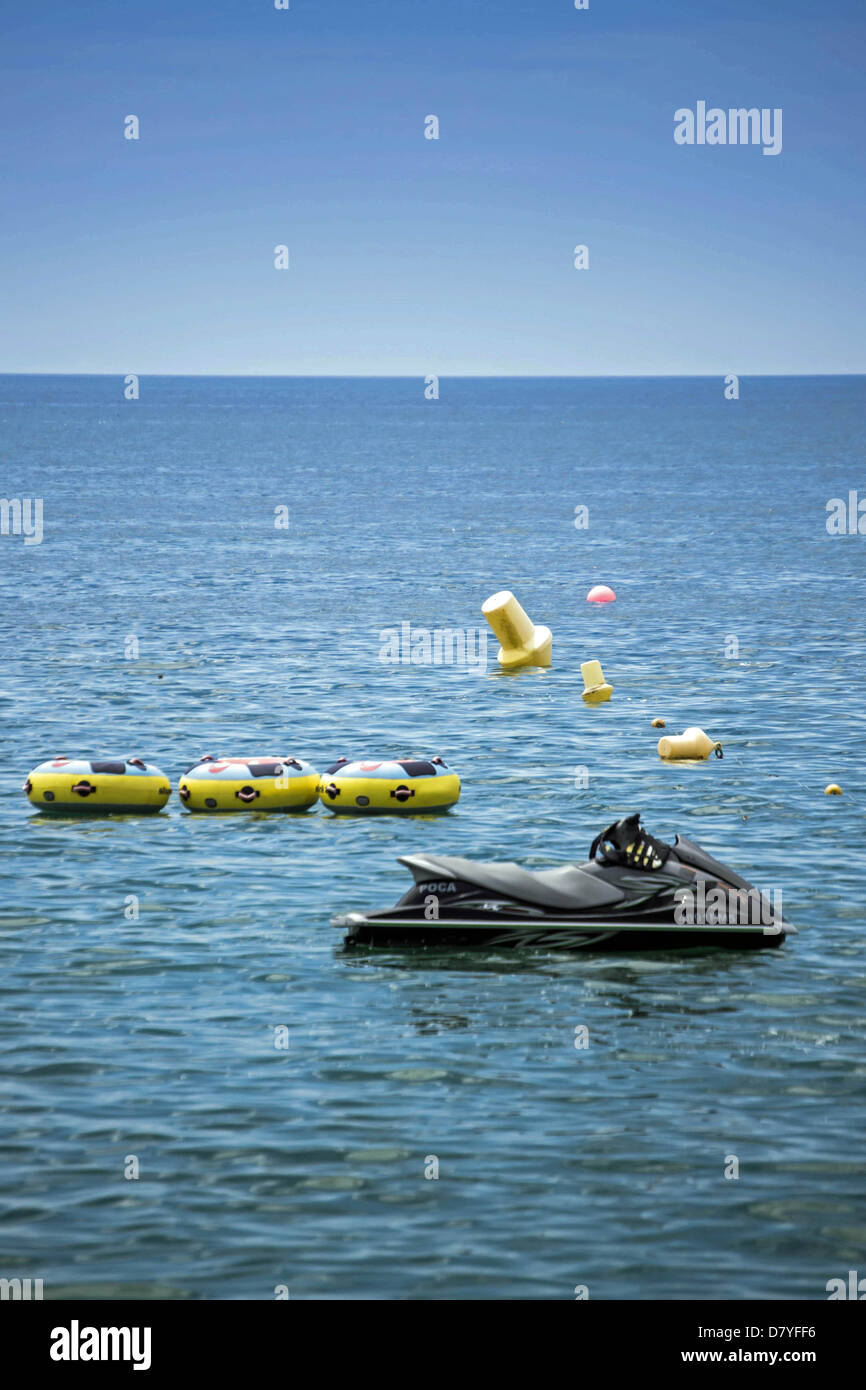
x=248 y=784
x=406 y=784
x=66 y=785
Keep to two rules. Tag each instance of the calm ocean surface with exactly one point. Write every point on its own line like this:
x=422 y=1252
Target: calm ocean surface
x=155 y=1037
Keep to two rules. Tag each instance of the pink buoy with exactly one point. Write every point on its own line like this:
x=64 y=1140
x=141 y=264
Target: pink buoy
x=601 y=594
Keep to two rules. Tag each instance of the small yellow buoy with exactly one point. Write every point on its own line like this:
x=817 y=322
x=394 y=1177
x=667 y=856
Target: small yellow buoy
x=691 y=743
x=522 y=643
x=595 y=687
x=658 y=723
x=833 y=790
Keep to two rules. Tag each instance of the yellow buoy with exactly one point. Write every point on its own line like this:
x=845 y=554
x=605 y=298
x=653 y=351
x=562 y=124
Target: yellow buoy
x=401 y=784
x=833 y=790
x=130 y=787
x=658 y=723
x=595 y=688
x=248 y=784
x=522 y=643
x=691 y=743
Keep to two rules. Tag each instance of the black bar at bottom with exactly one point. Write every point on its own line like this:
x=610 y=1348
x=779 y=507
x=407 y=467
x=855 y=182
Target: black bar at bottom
x=167 y=1339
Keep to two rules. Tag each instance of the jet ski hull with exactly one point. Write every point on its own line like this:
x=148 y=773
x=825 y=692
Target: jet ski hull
x=555 y=935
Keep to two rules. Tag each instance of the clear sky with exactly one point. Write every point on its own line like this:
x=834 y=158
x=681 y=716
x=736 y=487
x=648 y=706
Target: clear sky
x=409 y=256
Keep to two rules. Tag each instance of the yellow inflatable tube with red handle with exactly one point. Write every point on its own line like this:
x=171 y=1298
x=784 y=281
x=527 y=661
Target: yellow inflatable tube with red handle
x=65 y=786
x=249 y=784
x=406 y=785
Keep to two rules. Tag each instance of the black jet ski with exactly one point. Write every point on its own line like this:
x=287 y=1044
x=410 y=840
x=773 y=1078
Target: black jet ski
x=633 y=893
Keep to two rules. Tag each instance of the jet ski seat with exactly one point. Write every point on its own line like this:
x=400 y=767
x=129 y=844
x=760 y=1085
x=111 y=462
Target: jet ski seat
x=567 y=887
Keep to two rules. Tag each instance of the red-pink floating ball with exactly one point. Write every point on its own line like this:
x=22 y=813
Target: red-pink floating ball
x=601 y=594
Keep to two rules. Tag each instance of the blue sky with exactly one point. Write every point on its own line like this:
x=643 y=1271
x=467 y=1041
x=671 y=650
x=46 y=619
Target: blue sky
x=411 y=256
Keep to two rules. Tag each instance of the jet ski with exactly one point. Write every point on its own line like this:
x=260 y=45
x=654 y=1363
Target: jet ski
x=635 y=892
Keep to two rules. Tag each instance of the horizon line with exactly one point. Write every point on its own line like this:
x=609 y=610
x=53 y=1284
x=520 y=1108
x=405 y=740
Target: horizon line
x=450 y=376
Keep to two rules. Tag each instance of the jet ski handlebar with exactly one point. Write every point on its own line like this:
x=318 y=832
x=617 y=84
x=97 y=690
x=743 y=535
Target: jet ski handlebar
x=626 y=842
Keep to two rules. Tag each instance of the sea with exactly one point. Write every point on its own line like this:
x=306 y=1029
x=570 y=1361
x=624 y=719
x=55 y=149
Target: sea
x=205 y=1094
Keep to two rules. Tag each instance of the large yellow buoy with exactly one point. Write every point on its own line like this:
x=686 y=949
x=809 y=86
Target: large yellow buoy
x=595 y=688
x=522 y=643
x=118 y=787
x=403 y=784
x=248 y=784
x=691 y=743
x=833 y=790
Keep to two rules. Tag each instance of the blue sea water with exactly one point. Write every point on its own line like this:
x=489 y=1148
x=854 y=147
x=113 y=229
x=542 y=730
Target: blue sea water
x=154 y=1037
